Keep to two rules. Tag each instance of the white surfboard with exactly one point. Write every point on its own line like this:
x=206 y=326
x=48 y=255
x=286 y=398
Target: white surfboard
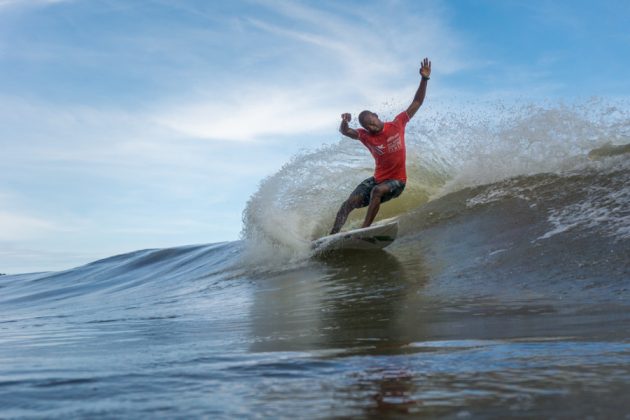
x=369 y=238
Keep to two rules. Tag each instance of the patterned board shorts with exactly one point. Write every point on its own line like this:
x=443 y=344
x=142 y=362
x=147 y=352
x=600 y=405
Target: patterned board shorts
x=364 y=190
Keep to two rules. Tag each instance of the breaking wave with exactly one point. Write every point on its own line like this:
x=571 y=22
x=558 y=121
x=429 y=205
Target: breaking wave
x=511 y=150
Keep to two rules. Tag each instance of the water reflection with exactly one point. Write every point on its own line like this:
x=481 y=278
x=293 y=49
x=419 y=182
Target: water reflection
x=394 y=392
x=356 y=301
x=356 y=304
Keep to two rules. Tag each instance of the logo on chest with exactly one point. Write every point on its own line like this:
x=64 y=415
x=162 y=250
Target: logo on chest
x=391 y=144
x=394 y=143
x=379 y=149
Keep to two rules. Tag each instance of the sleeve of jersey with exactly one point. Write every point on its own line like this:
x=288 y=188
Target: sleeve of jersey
x=402 y=119
x=362 y=135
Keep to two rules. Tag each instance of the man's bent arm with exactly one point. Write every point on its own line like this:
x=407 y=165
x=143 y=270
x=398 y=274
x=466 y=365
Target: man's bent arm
x=345 y=129
x=418 y=99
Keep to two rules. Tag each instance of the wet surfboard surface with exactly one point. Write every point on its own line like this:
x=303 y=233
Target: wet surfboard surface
x=369 y=238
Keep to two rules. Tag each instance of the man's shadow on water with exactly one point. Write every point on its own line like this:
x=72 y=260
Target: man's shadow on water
x=359 y=301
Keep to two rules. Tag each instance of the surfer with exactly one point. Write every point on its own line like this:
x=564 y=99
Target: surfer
x=386 y=143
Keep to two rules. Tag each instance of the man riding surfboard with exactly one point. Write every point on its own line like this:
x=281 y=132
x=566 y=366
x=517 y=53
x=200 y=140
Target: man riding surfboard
x=386 y=143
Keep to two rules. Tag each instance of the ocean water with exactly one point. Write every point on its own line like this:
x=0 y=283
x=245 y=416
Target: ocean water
x=506 y=294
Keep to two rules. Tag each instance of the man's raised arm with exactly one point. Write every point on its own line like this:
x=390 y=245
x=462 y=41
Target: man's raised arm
x=345 y=129
x=425 y=72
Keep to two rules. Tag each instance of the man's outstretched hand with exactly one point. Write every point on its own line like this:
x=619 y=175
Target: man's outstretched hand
x=346 y=117
x=418 y=99
x=425 y=68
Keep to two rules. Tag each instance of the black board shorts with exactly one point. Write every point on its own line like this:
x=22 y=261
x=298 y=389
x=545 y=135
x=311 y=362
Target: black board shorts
x=364 y=190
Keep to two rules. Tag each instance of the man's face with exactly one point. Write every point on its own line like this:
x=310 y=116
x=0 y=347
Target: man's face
x=371 y=123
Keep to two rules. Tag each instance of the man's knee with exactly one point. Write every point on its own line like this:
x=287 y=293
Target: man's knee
x=353 y=202
x=379 y=191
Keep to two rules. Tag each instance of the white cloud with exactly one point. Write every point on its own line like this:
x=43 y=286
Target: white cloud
x=5 y=4
x=334 y=63
x=246 y=116
x=119 y=140
x=16 y=227
x=372 y=47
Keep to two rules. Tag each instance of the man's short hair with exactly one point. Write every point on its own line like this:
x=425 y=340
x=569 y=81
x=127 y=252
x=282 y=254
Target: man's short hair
x=362 y=116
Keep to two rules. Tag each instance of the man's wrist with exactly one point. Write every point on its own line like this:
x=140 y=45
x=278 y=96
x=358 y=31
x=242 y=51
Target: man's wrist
x=426 y=78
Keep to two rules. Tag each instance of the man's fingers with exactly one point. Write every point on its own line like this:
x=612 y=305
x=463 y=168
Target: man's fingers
x=426 y=63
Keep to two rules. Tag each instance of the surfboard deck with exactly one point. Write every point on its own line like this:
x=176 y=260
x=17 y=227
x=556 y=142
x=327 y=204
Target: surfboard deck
x=369 y=238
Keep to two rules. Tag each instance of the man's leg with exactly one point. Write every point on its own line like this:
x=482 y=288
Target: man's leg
x=353 y=202
x=375 y=202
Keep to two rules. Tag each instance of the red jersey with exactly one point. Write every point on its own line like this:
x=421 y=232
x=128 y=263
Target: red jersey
x=388 y=149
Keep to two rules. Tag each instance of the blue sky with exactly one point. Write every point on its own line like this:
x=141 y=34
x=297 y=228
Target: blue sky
x=128 y=125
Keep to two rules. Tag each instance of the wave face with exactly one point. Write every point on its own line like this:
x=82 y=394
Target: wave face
x=505 y=294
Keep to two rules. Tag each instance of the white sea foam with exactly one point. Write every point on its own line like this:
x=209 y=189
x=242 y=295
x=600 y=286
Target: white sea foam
x=494 y=142
x=606 y=209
